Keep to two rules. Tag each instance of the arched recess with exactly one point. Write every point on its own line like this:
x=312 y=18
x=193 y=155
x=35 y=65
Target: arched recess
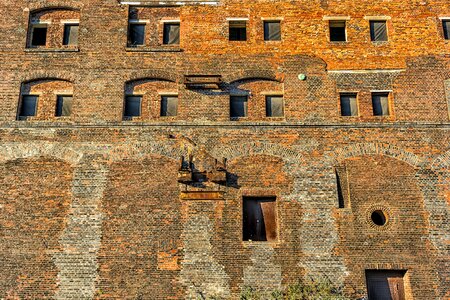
x=254 y=74
x=152 y=74
x=13 y=151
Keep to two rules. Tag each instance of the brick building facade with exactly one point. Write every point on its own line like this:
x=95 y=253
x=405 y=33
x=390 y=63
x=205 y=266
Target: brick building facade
x=187 y=150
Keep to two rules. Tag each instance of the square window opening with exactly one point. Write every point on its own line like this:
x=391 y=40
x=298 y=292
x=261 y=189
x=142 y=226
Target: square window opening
x=378 y=31
x=349 y=104
x=169 y=106
x=380 y=104
x=237 y=30
x=446 y=27
x=28 y=106
x=63 y=106
x=272 y=30
x=338 y=31
x=171 y=34
x=136 y=34
x=39 y=35
x=274 y=106
x=70 y=34
x=238 y=106
x=132 y=106
x=259 y=219
x=385 y=284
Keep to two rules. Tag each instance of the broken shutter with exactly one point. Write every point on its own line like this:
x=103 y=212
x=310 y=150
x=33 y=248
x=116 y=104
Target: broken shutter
x=272 y=31
x=274 y=106
x=28 y=106
x=349 y=105
x=132 y=106
x=64 y=106
x=169 y=106
x=70 y=34
x=171 y=34
x=269 y=217
x=378 y=31
x=380 y=102
x=238 y=106
x=446 y=25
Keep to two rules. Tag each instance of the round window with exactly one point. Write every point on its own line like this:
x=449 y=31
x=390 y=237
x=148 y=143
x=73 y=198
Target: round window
x=379 y=218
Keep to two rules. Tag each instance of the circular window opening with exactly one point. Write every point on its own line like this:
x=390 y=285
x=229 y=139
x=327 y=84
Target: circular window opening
x=379 y=218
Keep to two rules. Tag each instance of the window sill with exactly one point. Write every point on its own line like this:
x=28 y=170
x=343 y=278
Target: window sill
x=268 y=244
x=155 y=49
x=52 y=50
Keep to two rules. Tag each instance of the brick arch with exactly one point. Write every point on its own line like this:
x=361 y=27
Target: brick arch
x=123 y=152
x=55 y=4
x=341 y=154
x=12 y=151
x=48 y=75
x=255 y=74
x=254 y=148
x=152 y=74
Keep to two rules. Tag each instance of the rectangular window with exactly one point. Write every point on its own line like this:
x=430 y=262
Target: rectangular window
x=28 y=106
x=63 y=106
x=338 y=31
x=169 y=106
x=132 y=106
x=171 y=34
x=237 y=30
x=70 y=34
x=39 y=35
x=259 y=219
x=385 y=284
x=238 y=106
x=274 y=106
x=272 y=30
x=136 y=34
x=380 y=104
x=349 y=104
x=378 y=31
x=446 y=26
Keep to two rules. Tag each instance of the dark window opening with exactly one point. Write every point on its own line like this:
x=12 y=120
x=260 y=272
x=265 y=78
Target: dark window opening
x=63 y=106
x=136 y=34
x=169 y=106
x=237 y=30
x=349 y=104
x=132 y=106
x=259 y=219
x=39 y=36
x=28 y=106
x=340 y=194
x=272 y=30
x=446 y=26
x=238 y=106
x=171 y=34
x=378 y=31
x=380 y=104
x=337 y=31
x=274 y=106
x=378 y=218
x=70 y=34
x=385 y=284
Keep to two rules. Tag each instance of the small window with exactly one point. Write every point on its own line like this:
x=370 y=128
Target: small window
x=446 y=27
x=237 y=30
x=132 y=106
x=259 y=219
x=70 y=34
x=380 y=103
x=349 y=104
x=39 y=35
x=238 y=106
x=171 y=34
x=272 y=30
x=338 y=31
x=136 y=34
x=63 y=106
x=378 y=31
x=169 y=106
x=385 y=284
x=274 y=106
x=28 y=106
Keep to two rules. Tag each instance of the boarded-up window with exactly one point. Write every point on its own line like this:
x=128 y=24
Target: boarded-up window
x=272 y=30
x=385 y=284
x=28 y=105
x=171 y=34
x=132 y=106
x=169 y=106
x=238 y=30
x=349 y=104
x=446 y=26
x=70 y=34
x=63 y=106
x=39 y=35
x=274 y=106
x=238 y=106
x=337 y=31
x=259 y=219
x=380 y=103
x=136 y=34
x=378 y=31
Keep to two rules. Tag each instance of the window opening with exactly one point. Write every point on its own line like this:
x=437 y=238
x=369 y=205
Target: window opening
x=238 y=106
x=272 y=30
x=171 y=34
x=259 y=219
x=274 y=106
x=169 y=106
x=237 y=30
x=385 y=284
x=70 y=34
x=39 y=35
x=378 y=31
x=337 y=31
x=28 y=106
x=446 y=27
x=63 y=106
x=136 y=34
x=380 y=104
x=132 y=106
x=349 y=104
x=378 y=218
